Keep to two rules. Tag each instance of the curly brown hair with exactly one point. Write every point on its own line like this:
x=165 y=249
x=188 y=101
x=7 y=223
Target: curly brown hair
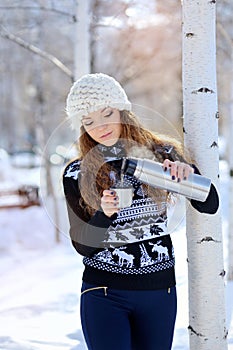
x=95 y=171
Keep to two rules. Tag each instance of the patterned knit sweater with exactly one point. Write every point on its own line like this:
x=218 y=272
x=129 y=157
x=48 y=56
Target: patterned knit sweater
x=131 y=249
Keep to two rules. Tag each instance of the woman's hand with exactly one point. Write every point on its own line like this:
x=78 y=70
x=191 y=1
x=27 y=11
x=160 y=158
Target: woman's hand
x=109 y=202
x=179 y=171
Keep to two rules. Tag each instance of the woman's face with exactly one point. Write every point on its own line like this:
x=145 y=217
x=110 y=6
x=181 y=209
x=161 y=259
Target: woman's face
x=104 y=126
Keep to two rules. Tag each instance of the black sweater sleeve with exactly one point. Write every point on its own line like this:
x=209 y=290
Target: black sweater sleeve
x=211 y=204
x=87 y=233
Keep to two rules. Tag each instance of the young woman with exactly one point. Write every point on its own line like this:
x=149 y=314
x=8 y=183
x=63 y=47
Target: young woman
x=128 y=297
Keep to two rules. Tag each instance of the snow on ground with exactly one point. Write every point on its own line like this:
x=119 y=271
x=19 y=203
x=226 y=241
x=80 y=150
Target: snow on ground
x=41 y=280
x=40 y=283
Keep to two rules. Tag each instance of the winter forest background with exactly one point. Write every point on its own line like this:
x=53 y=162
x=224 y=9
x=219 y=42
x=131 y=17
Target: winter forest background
x=137 y=42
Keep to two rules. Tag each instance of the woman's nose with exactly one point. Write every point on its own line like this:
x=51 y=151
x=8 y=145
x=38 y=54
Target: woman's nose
x=102 y=124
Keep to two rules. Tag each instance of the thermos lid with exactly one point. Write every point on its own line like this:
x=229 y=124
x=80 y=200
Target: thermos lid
x=130 y=166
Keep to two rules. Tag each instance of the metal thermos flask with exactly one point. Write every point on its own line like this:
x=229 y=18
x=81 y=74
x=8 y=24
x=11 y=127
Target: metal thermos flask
x=152 y=173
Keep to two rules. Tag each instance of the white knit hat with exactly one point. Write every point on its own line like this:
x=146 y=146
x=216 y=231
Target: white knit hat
x=93 y=92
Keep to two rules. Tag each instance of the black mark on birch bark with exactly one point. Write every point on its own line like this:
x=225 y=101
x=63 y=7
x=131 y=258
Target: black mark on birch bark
x=217 y=115
x=203 y=89
x=225 y=333
x=189 y=35
x=194 y=332
x=222 y=273
x=213 y=2
x=207 y=239
x=184 y=131
x=231 y=172
x=214 y=144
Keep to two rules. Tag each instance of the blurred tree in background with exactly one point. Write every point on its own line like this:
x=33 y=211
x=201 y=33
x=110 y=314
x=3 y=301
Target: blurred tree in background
x=29 y=81
x=138 y=43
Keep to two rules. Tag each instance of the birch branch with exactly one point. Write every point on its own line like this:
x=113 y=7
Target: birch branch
x=43 y=8
x=39 y=52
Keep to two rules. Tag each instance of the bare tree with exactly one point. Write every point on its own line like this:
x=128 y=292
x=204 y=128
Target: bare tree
x=204 y=237
x=82 y=40
x=37 y=51
x=225 y=42
x=230 y=215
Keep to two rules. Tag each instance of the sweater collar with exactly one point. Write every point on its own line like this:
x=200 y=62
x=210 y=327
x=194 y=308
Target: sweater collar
x=117 y=150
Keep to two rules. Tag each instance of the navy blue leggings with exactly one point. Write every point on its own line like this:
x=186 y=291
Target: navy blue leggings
x=128 y=320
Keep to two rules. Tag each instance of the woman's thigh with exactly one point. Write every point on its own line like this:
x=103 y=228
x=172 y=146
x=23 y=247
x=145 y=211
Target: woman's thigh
x=105 y=320
x=153 y=320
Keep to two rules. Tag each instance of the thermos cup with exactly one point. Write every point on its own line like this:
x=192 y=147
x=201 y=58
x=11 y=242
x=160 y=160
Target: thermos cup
x=152 y=173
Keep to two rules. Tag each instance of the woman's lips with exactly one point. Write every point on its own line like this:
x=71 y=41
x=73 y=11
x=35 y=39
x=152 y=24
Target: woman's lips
x=106 y=135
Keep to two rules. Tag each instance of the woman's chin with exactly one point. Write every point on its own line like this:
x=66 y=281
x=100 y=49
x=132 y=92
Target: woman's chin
x=109 y=142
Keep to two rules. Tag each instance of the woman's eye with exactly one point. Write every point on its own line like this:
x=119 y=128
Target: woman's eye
x=87 y=122
x=109 y=114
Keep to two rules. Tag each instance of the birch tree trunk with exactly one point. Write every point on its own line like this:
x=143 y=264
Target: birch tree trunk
x=228 y=125
x=204 y=237
x=82 y=39
x=42 y=132
x=230 y=160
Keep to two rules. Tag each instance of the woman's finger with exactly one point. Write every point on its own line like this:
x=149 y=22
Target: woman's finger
x=180 y=172
x=109 y=202
x=187 y=171
x=110 y=193
x=166 y=164
x=173 y=167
